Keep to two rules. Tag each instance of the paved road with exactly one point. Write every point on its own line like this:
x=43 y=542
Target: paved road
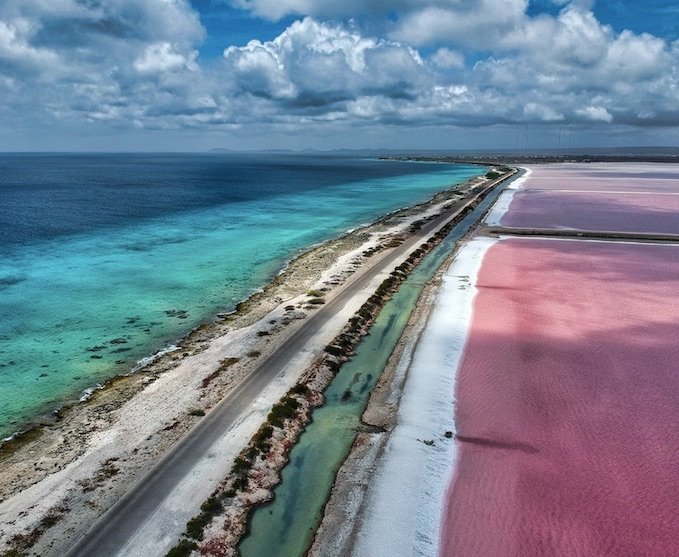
x=108 y=536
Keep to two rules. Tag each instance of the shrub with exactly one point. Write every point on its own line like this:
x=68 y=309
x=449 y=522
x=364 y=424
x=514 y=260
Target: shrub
x=333 y=350
x=364 y=312
x=261 y=440
x=345 y=340
x=182 y=549
x=226 y=363
x=285 y=409
x=223 y=365
x=300 y=389
x=212 y=506
x=240 y=466
x=241 y=483
x=374 y=300
x=50 y=520
x=333 y=366
x=264 y=432
x=195 y=526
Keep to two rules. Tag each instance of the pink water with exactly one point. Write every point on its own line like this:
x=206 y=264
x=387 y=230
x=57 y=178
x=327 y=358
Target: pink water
x=568 y=404
x=630 y=177
x=616 y=212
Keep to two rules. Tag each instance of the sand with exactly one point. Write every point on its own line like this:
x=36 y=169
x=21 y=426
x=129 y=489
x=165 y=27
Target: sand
x=405 y=496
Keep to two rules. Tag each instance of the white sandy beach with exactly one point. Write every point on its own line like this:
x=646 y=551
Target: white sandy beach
x=503 y=202
x=403 y=511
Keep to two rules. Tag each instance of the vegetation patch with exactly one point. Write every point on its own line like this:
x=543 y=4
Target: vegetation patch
x=53 y=516
x=183 y=549
x=107 y=470
x=12 y=553
x=22 y=542
x=394 y=243
x=285 y=409
x=223 y=366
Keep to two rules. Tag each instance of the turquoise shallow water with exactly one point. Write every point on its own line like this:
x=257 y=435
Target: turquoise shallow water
x=84 y=299
x=286 y=526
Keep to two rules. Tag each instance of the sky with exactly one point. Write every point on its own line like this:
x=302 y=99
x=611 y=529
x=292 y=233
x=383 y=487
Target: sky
x=180 y=75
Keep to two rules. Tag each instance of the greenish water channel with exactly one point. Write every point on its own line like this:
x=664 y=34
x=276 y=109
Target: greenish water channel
x=285 y=527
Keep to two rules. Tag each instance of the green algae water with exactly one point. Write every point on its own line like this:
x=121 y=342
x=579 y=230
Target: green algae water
x=286 y=526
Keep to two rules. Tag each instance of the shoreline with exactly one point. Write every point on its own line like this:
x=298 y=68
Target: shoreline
x=380 y=462
x=83 y=438
x=45 y=410
x=428 y=437
x=219 y=317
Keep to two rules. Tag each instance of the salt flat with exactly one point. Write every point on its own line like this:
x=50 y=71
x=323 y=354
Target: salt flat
x=563 y=391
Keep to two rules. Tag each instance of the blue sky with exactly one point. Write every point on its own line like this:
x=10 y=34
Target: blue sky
x=407 y=74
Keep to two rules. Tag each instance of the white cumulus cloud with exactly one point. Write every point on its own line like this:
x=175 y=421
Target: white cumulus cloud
x=162 y=57
x=448 y=59
x=312 y=65
x=426 y=63
x=595 y=114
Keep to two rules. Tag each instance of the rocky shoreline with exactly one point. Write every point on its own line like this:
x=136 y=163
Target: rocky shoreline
x=110 y=439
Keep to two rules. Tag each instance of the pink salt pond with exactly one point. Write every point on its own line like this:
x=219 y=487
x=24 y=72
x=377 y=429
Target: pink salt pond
x=599 y=212
x=568 y=404
x=630 y=198
x=629 y=177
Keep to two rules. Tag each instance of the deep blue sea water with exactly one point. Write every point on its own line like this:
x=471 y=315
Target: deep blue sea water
x=106 y=259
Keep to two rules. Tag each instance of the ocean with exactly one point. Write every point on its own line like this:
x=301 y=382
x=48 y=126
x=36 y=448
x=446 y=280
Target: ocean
x=106 y=258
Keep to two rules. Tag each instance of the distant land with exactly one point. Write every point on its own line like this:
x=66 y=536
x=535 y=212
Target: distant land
x=617 y=154
x=501 y=156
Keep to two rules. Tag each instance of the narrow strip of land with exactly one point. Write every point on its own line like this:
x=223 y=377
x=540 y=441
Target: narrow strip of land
x=142 y=507
x=611 y=235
